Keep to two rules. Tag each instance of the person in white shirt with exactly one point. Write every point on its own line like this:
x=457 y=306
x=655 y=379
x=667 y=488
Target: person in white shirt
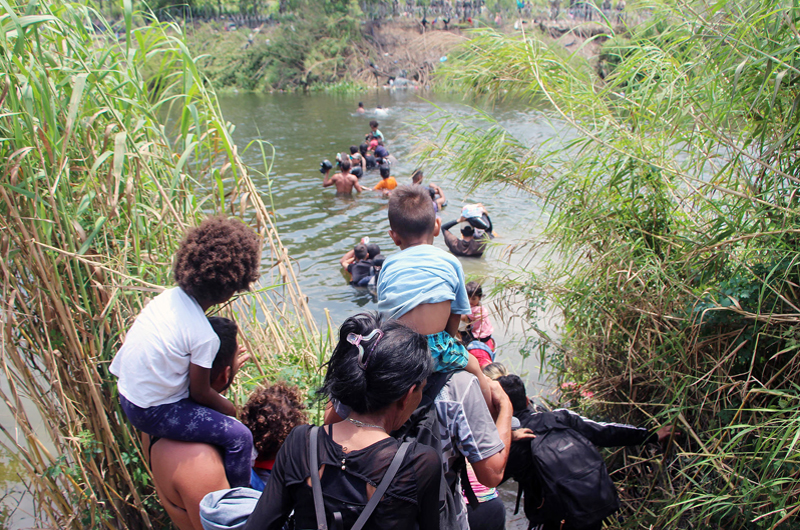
x=164 y=365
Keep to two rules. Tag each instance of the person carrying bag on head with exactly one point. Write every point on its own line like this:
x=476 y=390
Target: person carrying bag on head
x=352 y=474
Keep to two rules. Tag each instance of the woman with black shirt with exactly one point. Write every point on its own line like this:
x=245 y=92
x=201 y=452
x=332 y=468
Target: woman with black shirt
x=378 y=370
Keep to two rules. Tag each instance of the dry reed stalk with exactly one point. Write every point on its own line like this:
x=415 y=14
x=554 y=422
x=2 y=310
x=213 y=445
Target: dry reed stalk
x=94 y=197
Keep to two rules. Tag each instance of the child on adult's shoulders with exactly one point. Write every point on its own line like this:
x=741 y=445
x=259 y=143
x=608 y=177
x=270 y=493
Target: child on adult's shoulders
x=165 y=363
x=423 y=286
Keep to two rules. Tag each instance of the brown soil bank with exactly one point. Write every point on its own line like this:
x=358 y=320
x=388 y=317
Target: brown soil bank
x=402 y=47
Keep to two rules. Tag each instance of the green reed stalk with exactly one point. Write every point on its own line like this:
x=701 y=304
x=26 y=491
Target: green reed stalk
x=95 y=194
x=671 y=193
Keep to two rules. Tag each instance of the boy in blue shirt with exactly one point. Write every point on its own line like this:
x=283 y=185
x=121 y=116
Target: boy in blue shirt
x=423 y=286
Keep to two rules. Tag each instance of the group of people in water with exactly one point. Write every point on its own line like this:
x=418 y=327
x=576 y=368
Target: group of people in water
x=411 y=417
x=420 y=424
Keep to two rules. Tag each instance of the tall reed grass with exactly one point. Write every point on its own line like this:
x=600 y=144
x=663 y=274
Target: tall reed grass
x=95 y=193
x=672 y=196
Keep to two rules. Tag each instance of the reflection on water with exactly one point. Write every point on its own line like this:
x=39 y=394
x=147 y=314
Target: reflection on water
x=318 y=227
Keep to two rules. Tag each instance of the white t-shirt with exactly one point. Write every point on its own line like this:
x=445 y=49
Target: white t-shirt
x=170 y=333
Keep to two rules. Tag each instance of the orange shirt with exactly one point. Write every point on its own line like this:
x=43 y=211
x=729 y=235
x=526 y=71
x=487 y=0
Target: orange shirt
x=387 y=184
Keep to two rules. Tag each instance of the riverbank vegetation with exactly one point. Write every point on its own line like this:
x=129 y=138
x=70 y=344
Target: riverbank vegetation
x=104 y=168
x=672 y=199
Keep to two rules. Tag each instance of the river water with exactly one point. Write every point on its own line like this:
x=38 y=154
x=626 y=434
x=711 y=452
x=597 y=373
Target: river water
x=318 y=227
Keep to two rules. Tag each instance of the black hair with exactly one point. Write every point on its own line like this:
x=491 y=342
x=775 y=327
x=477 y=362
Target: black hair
x=386 y=171
x=360 y=251
x=378 y=260
x=353 y=149
x=226 y=329
x=363 y=148
x=217 y=259
x=344 y=163
x=395 y=362
x=360 y=104
x=411 y=211
x=417 y=175
x=474 y=289
x=373 y=123
x=467 y=231
x=515 y=390
x=373 y=250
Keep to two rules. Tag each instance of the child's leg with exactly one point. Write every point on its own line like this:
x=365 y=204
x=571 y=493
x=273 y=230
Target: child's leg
x=186 y=421
x=475 y=369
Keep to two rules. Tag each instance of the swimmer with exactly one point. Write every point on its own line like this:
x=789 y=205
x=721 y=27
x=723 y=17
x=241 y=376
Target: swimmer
x=360 y=109
x=380 y=111
x=344 y=180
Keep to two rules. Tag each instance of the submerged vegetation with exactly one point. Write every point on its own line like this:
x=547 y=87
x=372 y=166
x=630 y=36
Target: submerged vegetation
x=672 y=198
x=95 y=194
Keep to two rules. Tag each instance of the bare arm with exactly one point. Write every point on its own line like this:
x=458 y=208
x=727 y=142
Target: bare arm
x=357 y=186
x=348 y=258
x=201 y=391
x=489 y=471
x=328 y=181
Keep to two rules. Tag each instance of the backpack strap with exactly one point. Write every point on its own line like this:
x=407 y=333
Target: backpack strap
x=382 y=487
x=519 y=496
x=313 y=458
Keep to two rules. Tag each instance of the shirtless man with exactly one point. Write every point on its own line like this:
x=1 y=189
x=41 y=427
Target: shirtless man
x=344 y=181
x=184 y=472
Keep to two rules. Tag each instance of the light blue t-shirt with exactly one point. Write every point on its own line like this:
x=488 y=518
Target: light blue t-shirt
x=422 y=274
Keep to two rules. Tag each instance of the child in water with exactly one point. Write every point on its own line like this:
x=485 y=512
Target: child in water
x=423 y=286
x=164 y=365
x=480 y=326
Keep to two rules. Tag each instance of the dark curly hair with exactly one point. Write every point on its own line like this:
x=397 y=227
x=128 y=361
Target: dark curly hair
x=271 y=413
x=217 y=259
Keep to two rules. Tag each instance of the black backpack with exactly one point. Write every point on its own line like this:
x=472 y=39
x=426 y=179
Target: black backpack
x=570 y=482
x=423 y=426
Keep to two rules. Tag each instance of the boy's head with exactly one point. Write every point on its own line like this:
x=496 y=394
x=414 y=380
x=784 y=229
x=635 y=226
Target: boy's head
x=515 y=390
x=216 y=260
x=360 y=105
x=363 y=149
x=271 y=413
x=411 y=217
x=467 y=231
x=386 y=171
x=344 y=164
x=353 y=149
x=474 y=292
x=377 y=262
x=373 y=250
x=222 y=369
x=417 y=176
x=360 y=251
x=373 y=124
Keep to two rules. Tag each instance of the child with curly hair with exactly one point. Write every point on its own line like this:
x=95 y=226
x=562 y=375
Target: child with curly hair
x=164 y=365
x=271 y=412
